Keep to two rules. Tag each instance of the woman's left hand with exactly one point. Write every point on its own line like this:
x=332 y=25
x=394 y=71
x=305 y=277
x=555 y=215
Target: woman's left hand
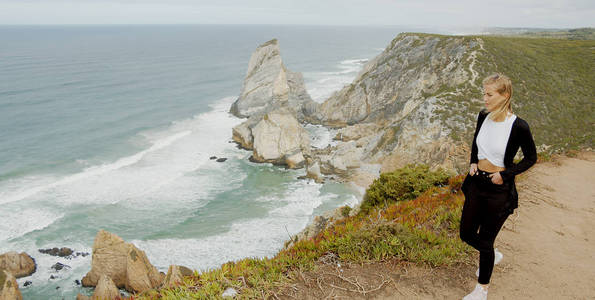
x=496 y=178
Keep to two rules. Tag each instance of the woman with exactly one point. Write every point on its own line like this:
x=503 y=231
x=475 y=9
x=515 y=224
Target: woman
x=489 y=188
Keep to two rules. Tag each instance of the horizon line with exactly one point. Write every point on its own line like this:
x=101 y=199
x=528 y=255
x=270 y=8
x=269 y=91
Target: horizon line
x=284 y=24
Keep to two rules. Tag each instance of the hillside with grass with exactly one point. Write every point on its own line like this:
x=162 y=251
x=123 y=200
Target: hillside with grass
x=586 y=33
x=553 y=86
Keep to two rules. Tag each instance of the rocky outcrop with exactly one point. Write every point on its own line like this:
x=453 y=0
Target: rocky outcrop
x=268 y=84
x=344 y=157
x=175 y=275
x=276 y=102
x=125 y=264
x=242 y=133
x=19 y=265
x=280 y=139
x=9 y=289
x=360 y=133
x=63 y=252
x=393 y=84
x=313 y=172
x=106 y=289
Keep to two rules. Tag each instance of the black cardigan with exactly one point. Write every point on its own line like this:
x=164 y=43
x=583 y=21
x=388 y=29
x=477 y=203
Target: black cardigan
x=520 y=136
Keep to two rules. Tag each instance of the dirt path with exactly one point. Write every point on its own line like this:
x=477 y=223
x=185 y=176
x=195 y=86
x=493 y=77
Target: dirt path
x=548 y=246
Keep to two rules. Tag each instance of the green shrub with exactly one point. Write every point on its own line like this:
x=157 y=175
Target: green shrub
x=345 y=211
x=403 y=184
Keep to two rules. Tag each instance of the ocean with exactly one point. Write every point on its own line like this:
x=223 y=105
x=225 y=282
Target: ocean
x=111 y=127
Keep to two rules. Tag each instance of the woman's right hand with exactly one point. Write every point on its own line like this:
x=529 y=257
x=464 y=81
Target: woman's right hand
x=473 y=169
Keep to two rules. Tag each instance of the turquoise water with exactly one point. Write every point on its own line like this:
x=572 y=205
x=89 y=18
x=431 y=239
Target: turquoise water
x=112 y=127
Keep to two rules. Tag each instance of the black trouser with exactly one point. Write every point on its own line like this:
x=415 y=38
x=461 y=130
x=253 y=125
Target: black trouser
x=483 y=209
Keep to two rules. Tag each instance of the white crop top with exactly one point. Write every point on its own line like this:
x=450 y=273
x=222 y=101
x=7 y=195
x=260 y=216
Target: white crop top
x=492 y=139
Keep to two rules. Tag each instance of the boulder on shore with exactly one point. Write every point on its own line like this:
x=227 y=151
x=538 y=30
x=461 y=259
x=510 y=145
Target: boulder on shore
x=127 y=266
x=106 y=289
x=9 y=289
x=19 y=265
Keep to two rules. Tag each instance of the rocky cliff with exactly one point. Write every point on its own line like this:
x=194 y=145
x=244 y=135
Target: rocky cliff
x=417 y=102
x=268 y=84
x=275 y=101
x=396 y=111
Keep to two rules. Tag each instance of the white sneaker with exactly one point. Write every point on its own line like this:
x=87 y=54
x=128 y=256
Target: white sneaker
x=498 y=257
x=479 y=293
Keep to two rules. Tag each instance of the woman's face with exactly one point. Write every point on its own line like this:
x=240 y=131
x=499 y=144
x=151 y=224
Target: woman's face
x=491 y=97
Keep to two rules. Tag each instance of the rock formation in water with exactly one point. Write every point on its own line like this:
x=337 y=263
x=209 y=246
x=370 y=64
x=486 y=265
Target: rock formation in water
x=275 y=101
x=280 y=139
x=268 y=83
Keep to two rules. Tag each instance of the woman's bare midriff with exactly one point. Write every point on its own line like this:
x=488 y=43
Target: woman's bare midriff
x=486 y=165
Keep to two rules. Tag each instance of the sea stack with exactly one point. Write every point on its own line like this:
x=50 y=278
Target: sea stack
x=276 y=103
x=268 y=83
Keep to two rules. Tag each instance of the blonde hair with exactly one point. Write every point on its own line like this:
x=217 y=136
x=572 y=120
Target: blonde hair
x=503 y=86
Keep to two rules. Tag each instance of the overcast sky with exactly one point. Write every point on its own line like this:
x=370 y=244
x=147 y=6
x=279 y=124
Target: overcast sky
x=502 y=13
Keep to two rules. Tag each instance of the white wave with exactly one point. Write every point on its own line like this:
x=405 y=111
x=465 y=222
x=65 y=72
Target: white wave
x=94 y=170
x=321 y=85
x=159 y=177
x=17 y=223
x=321 y=136
x=262 y=237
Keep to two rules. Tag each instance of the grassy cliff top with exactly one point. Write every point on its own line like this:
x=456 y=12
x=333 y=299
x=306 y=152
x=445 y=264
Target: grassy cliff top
x=553 y=86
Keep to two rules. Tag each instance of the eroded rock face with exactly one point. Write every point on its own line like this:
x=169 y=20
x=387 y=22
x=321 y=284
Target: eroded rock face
x=408 y=69
x=9 y=289
x=141 y=275
x=400 y=108
x=268 y=84
x=175 y=275
x=127 y=266
x=356 y=132
x=106 y=289
x=344 y=157
x=19 y=265
x=242 y=133
x=280 y=139
x=313 y=172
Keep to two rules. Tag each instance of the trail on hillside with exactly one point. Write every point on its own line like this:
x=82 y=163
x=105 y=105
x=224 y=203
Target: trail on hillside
x=548 y=246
